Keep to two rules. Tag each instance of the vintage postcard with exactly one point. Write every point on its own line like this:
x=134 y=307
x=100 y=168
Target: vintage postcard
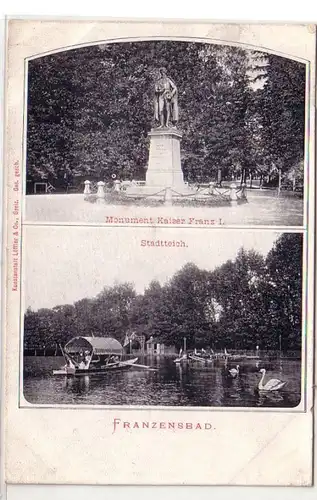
x=160 y=261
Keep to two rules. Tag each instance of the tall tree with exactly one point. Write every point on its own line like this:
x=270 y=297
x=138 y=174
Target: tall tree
x=238 y=288
x=284 y=264
x=281 y=105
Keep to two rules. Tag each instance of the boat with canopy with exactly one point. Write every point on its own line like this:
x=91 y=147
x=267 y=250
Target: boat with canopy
x=86 y=355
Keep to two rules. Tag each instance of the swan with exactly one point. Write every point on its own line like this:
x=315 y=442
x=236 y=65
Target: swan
x=274 y=384
x=234 y=372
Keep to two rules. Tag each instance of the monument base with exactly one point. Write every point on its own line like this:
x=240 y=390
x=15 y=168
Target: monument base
x=164 y=176
x=164 y=167
x=158 y=191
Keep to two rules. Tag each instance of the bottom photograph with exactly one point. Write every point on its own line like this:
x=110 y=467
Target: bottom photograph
x=161 y=317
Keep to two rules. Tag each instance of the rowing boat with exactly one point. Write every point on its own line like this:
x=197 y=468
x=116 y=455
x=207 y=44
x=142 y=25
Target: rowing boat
x=110 y=367
x=181 y=359
x=198 y=358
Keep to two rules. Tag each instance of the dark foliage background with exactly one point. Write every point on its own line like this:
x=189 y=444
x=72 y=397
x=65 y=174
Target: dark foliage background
x=246 y=302
x=90 y=110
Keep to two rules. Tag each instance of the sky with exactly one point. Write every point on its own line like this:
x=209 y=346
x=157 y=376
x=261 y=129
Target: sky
x=66 y=263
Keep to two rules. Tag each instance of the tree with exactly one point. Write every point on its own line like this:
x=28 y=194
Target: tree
x=238 y=290
x=281 y=105
x=109 y=311
x=90 y=110
x=247 y=301
x=146 y=310
x=284 y=263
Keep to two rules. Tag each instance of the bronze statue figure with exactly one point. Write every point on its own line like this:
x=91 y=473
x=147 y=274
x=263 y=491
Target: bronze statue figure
x=165 y=102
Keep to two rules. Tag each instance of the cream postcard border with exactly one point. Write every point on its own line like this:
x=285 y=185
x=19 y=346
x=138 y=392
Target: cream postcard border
x=52 y=446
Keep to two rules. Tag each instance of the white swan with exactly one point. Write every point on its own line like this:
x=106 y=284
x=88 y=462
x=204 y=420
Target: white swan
x=274 y=384
x=234 y=372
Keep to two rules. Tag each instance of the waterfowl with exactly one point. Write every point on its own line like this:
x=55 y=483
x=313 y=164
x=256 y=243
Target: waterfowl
x=234 y=372
x=274 y=384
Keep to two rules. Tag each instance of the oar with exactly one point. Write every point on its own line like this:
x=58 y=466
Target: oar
x=145 y=367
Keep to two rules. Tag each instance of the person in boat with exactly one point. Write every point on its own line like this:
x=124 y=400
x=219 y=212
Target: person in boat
x=83 y=365
x=113 y=359
x=69 y=363
x=87 y=359
x=84 y=360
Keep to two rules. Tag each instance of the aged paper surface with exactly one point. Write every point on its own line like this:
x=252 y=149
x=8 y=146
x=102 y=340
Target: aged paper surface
x=115 y=255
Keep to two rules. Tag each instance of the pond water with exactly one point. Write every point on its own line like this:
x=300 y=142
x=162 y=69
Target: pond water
x=194 y=385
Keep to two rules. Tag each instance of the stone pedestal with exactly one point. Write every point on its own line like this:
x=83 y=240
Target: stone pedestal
x=101 y=192
x=117 y=185
x=87 y=190
x=164 y=168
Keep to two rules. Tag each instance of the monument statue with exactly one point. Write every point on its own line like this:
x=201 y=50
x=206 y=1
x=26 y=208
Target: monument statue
x=165 y=102
x=164 y=174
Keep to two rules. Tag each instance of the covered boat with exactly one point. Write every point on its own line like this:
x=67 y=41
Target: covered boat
x=92 y=354
x=99 y=346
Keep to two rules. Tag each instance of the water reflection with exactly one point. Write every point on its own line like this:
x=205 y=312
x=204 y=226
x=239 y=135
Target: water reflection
x=194 y=384
x=77 y=384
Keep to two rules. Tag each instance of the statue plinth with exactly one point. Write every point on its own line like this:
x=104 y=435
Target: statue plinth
x=164 y=167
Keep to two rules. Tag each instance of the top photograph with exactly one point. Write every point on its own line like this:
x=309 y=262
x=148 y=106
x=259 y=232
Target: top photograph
x=165 y=132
